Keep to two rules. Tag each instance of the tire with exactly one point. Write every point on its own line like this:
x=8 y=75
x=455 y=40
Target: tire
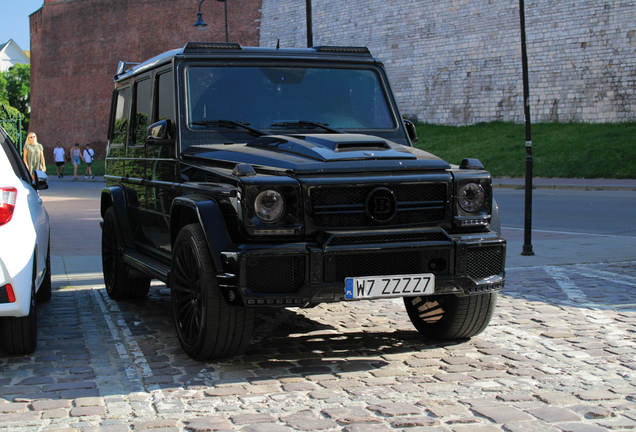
x=44 y=293
x=207 y=327
x=119 y=284
x=20 y=334
x=450 y=317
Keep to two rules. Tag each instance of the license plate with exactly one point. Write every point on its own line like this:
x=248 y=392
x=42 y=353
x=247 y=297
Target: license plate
x=389 y=286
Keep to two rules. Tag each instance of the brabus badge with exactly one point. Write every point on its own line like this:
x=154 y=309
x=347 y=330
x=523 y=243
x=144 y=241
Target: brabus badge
x=381 y=205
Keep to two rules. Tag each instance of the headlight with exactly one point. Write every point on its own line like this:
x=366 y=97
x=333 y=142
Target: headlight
x=471 y=197
x=269 y=206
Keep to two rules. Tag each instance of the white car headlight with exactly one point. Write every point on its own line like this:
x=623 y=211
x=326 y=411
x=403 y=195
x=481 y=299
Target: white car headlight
x=471 y=197
x=269 y=206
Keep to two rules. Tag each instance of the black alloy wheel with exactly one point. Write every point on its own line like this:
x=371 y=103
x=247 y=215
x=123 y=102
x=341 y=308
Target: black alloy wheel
x=119 y=284
x=207 y=327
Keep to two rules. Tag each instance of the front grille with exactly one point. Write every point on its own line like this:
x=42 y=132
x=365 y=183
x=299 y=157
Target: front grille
x=340 y=266
x=277 y=274
x=416 y=237
x=344 y=206
x=484 y=262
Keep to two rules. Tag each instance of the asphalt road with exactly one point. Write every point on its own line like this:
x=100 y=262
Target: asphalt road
x=590 y=212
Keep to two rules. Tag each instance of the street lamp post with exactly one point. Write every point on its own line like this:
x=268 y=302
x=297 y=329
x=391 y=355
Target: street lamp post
x=527 y=222
x=310 y=32
x=201 y=25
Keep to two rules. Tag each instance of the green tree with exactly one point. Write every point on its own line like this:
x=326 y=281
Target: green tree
x=18 y=88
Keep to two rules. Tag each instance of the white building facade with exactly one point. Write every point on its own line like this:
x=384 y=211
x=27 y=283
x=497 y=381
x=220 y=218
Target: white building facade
x=11 y=55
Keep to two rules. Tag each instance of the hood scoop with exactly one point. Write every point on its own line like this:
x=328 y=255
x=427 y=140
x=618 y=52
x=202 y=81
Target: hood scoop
x=333 y=147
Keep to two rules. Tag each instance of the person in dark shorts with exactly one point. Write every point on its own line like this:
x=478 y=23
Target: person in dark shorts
x=60 y=155
x=88 y=155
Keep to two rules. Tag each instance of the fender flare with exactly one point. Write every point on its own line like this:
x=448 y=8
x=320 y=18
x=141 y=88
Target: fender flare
x=207 y=213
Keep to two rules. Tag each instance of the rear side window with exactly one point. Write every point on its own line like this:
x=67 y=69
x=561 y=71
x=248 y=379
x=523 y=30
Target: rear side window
x=165 y=97
x=122 y=109
x=142 y=111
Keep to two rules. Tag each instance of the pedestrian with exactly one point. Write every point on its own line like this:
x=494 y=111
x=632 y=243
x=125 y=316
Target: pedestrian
x=33 y=154
x=88 y=155
x=60 y=155
x=75 y=159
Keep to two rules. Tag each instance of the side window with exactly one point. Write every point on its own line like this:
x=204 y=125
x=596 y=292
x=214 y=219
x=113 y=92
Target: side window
x=142 y=111
x=165 y=96
x=120 y=125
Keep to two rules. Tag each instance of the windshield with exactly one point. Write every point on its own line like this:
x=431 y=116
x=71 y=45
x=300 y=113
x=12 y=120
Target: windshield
x=275 y=98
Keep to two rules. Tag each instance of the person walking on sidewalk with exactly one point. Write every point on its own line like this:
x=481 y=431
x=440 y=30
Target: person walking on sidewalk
x=88 y=155
x=60 y=155
x=75 y=158
x=33 y=155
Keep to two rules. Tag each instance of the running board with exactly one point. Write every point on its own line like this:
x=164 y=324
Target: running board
x=147 y=265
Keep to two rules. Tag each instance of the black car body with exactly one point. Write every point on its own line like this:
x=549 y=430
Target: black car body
x=256 y=177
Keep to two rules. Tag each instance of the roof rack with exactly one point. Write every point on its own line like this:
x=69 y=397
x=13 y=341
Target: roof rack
x=124 y=67
x=343 y=50
x=210 y=46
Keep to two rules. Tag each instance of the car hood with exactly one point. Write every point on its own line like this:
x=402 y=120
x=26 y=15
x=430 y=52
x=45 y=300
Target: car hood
x=306 y=154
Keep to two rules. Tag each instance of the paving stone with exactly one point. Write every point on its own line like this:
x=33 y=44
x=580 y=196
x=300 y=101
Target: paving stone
x=367 y=428
x=212 y=423
x=553 y=414
x=306 y=420
x=350 y=415
x=502 y=414
x=252 y=418
x=419 y=421
x=88 y=411
x=581 y=427
x=395 y=409
x=597 y=395
x=268 y=427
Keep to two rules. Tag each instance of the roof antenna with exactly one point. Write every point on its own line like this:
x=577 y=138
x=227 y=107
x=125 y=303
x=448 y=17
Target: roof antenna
x=278 y=44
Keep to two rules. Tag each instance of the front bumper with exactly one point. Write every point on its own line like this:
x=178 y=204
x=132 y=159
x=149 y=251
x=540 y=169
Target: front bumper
x=303 y=274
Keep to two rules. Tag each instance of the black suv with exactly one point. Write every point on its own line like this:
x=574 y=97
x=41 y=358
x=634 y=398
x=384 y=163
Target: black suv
x=256 y=177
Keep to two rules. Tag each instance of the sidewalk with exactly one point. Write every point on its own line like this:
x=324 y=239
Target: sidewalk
x=69 y=178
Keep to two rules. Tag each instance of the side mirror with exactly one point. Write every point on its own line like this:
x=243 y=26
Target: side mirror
x=410 y=129
x=160 y=133
x=41 y=180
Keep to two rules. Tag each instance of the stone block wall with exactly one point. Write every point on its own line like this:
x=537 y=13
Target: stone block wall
x=458 y=62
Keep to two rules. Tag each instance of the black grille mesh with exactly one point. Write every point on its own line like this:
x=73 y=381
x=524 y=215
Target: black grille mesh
x=483 y=262
x=343 y=206
x=275 y=274
x=338 y=267
x=388 y=238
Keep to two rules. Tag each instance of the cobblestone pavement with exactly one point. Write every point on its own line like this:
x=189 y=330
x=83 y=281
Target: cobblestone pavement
x=559 y=355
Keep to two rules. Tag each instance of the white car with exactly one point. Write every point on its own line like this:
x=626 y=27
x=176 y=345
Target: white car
x=25 y=261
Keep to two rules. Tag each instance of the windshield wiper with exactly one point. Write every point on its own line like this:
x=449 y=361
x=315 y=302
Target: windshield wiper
x=308 y=124
x=231 y=124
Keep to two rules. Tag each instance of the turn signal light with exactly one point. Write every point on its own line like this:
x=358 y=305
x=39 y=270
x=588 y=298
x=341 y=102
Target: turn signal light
x=7 y=203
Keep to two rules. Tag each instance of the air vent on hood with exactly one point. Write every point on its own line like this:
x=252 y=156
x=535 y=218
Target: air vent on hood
x=353 y=146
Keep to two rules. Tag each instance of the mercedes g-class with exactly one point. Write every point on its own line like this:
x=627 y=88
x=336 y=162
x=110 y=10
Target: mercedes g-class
x=261 y=177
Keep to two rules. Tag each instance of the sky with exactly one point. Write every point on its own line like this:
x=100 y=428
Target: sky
x=15 y=21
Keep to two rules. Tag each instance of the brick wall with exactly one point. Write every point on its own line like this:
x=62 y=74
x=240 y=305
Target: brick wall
x=459 y=61
x=76 y=46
